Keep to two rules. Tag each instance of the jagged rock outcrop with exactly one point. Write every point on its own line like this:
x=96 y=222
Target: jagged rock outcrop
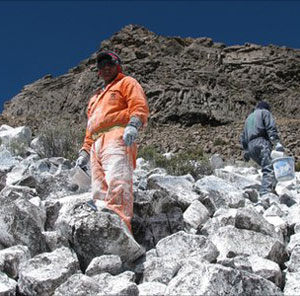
x=188 y=81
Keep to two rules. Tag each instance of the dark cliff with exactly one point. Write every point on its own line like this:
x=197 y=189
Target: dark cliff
x=198 y=90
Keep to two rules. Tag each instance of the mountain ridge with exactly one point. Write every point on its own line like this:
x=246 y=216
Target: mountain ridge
x=190 y=83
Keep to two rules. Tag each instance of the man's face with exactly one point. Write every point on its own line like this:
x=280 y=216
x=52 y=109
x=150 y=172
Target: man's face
x=108 y=71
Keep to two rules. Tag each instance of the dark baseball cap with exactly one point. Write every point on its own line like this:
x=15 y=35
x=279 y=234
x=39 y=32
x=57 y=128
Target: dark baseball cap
x=107 y=57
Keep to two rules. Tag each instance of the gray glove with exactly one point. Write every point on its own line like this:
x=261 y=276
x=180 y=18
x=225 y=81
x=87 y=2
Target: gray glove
x=83 y=159
x=131 y=131
x=279 y=147
x=246 y=156
x=130 y=135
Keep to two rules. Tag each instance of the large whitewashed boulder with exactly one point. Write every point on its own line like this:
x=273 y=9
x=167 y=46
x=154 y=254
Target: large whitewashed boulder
x=7 y=160
x=231 y=241
x=80 y=285
x=95 y=233
x=21 y=223
x=8 y=286
x=241 y=178
x=160 y=269
x=157 y=214
x=217 y=193
x=242 y=218
x=182 y=245
x=294 y=263
x=118 y=285
x=214 y=279
x=151 y=288
x=257 y=265
x=293 y=216
x=16 y=139
x=266 y=269
x=42 y=274
x=50 y=177
x=294 y=241
x=181 y=187
x=105 y=263
x=11 y=258
x=195 y=215
x=292 y=286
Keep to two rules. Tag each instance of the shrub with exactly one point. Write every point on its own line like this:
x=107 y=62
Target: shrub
x=61 y=139
x=16 y=148
x=190 y=161
x=151 y=154
x=297 y=166
x=219 y=142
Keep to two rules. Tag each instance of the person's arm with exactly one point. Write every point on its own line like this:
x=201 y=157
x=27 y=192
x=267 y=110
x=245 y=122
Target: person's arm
x=243 y=140
x=84 y=152
x=87 y=143
x=88 y=140
x=136 y=100
x=270 y=126
x=138 y=110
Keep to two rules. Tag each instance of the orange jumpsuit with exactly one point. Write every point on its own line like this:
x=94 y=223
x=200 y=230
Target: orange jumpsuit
x=112 y=163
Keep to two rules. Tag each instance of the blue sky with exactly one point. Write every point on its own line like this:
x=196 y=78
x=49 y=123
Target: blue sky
x=50 y=37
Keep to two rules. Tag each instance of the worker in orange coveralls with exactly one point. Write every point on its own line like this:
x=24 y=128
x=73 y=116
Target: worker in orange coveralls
x=115 y=113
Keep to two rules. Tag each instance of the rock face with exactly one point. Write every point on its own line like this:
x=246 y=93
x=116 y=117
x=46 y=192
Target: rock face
x=188 y=81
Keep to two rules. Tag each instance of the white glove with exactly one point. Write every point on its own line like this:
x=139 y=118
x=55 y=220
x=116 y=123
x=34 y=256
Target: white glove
x=279 y=147
x=83 y=158
x=130 y=135
x=131 y=130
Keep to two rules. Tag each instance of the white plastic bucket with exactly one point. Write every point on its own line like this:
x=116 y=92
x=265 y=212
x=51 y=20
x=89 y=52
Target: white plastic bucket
x=284 y=168
x=80 y=178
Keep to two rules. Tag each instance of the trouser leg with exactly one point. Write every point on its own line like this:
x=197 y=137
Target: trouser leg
x=99 y=185
x=119 y=198
x=260 y=150
x=268 y=178
x=112 y=173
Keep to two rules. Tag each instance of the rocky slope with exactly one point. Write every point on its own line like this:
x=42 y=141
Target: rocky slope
x=208 y=236
x=198 y=90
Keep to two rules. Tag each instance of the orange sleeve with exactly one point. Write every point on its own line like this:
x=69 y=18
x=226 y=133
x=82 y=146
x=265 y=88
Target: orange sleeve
x=136 y=100
x=88 y=141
